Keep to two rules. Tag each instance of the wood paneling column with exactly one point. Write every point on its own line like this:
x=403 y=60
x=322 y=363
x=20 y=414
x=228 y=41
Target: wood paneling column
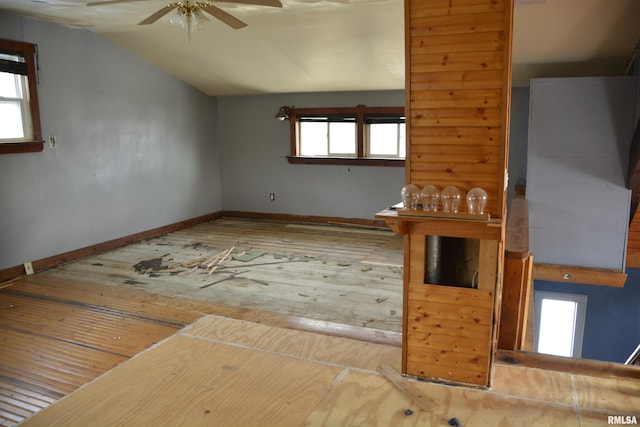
x=458 y=59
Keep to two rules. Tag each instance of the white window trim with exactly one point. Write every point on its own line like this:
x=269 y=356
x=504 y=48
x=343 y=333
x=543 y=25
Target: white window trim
x=580 y=300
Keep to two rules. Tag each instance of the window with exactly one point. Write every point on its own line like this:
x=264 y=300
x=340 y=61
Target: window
x=352 y=135
x=385 y=136
x=19 y=113
x=559 y=323
x=327 y=136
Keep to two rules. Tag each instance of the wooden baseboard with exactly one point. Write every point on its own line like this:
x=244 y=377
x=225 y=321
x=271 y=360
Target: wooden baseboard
x=74 y=255
x=358 y=222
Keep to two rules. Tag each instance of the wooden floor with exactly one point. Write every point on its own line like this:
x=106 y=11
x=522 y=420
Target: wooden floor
x=228 y=372
x=346 y=275
x=64 y=327
x=101 y=342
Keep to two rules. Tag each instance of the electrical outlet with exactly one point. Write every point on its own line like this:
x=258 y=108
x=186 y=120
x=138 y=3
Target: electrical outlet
x=52 y=141
x=28 y=268
x=272 y=196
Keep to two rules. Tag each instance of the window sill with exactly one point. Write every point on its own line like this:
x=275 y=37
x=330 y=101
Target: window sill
x=345 y=161
x=21 y=147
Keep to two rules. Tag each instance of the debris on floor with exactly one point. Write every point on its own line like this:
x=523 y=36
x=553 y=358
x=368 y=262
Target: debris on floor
x=208 y=263
x=133 y=282
x=149 y=264
x=247 y=256
x=416 y=395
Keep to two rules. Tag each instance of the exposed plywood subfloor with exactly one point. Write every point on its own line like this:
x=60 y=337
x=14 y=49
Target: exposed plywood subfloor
x=347 y=275
x=228 y=372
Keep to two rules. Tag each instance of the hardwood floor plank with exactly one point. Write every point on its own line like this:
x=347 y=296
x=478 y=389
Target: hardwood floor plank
x=63 y=327
x=329 y=273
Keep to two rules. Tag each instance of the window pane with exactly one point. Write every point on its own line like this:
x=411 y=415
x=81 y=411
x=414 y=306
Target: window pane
x=313 y=139
x=557 y=327
x=383 y=139
x=342 y=138
x=11 y=121
x=403 y=141
x=10 y=85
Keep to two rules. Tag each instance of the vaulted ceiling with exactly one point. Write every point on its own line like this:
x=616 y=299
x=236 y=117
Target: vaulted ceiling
x=337 y=45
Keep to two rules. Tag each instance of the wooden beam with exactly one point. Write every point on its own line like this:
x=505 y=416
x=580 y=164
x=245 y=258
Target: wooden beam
x=569 y=365
x=515 y=303
x=517 y=237
x=633 y=177
x=583 y=275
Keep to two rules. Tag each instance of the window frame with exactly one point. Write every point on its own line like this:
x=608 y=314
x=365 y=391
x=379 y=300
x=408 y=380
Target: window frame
x=580 y=300
x=360 y=112
x=28 y=51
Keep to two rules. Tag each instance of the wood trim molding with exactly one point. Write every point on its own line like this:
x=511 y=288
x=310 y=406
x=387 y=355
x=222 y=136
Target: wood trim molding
x=594 y=368
x=21 y=147
x=582 y=275
x=345 y=161
x=56 y=260
x=358 y=222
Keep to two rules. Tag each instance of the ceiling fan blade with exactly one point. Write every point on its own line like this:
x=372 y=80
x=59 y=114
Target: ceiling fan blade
x=230 y=20
x=100 y=3
x=159 y=14
x=272 y=3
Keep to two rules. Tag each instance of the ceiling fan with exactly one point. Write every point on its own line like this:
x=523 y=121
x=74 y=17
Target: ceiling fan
x=189 y=12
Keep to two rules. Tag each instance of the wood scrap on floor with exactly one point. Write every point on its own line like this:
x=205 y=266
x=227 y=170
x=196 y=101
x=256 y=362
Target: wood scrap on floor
x=416 y=396
x=208 y=263
x=247 y=256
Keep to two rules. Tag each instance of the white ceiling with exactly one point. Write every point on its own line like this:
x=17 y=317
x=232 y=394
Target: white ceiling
x=337 y=45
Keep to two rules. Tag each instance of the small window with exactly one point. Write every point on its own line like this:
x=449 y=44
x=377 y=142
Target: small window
x=386 y=136
x=19 y=114
x=328 y=136
x=348 y=135
x=559 y=322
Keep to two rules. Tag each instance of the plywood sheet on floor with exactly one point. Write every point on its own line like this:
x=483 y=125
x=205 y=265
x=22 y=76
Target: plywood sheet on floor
x=321 y=348
x=210 y=384
x=227 y=372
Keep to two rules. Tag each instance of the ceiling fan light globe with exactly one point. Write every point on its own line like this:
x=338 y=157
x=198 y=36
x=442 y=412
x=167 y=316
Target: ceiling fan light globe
x=177 y=18
x=200 y=20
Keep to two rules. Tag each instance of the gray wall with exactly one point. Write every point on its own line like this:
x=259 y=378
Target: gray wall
x=254 y=163
x=518 y=137
x=136 y=148
x=579 y=135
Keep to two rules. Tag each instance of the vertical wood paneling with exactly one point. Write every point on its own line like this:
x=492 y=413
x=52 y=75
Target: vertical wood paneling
x=458 y=63
x=457 y=105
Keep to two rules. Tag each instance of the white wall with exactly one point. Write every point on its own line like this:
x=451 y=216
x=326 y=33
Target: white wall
x=136 y=148
x=254 y=163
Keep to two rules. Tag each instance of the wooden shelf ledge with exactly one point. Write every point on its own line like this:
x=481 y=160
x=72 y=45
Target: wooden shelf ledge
x=582 y=275
x=450 y=226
